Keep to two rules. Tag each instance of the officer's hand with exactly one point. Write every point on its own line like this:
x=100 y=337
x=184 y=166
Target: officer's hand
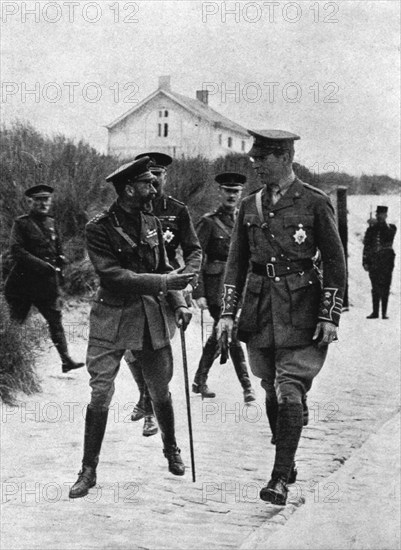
x=178 y=281
x=325 y=333
x=226 y=324
x=201 y=303
x=182 y=317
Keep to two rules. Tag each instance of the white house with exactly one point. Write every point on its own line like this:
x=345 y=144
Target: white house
x=171 y=123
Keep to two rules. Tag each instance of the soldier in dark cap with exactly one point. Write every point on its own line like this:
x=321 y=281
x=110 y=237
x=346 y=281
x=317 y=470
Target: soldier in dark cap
x=289 y=315
x=378 y=259
x=125 y=245
x=214 y=231
x=36 y=275
x=178 y=231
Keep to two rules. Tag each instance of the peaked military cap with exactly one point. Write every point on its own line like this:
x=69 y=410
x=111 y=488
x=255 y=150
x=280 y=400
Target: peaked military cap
x=230 y=180
x=38 y=191
x=158 y=161
x=275 y=141
x=131 y=171
x=382 y=210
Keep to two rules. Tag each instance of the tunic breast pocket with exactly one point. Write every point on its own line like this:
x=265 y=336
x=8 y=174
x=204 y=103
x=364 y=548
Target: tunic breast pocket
x=254 y=229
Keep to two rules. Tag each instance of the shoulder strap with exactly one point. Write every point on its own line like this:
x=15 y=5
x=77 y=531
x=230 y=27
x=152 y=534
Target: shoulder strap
x=222 y=226
x=258 y=200
x=122 y=233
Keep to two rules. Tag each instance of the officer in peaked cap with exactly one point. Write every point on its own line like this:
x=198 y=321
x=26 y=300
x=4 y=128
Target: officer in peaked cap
x=125 y=246
x=214 y=232
x=39 y=191
x=36 y=276
x=378 y=259
x=289 y=315
x=178 y=231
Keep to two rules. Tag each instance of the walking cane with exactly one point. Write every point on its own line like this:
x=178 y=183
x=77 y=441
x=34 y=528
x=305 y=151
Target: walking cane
x=185 y=365
x=202 y=326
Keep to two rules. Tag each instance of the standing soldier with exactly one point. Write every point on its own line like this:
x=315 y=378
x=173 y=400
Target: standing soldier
x=36 y=274
x=378 y=259
x=214 y=231
x=125 y=245
x=287 y=318
x=178 y=230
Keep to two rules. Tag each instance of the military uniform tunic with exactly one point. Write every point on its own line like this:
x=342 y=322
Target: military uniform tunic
x=284 y=300
x=214 y=232
x=178 y=230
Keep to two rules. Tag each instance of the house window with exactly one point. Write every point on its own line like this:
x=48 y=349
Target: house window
x=166 y=130
x=159 y=130
x=166 y=114
x=242 y=145
x=230 y=142
x=220 y=139
x=160 y=114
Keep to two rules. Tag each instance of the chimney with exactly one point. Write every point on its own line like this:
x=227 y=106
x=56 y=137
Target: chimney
x=165 y=82
x=202 y=95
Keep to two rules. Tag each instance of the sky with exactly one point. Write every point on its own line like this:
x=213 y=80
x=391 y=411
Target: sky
x=328 y=71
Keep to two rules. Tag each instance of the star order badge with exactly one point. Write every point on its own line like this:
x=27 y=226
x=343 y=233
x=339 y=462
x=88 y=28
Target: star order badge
x=168 y=236
x=300 y=235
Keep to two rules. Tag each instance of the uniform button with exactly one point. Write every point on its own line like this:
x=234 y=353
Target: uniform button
x=324 y=311
x=272 y=235
x=276 y=279
x=273 y=259
x=271 y=214
x=310 y=282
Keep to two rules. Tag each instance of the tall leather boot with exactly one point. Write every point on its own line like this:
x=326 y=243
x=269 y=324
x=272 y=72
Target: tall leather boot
x=209 y=354
x=144 y=405
x=165 y=418
x=289 y=429
x=58 y=337
x=385 y=295
x=95 y=426
x=376 y=303
x=241 y=369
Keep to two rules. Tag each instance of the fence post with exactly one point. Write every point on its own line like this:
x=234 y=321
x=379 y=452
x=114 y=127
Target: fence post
x=342 y=220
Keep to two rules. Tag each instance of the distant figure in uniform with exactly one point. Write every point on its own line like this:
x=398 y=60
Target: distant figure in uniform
x=289 y=316
x=125 y=245
x=378 y=259
x=36 y=275
x=178 y=230
x=214 y=231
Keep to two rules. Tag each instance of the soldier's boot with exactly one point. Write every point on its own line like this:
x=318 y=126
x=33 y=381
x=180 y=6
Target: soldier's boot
x=385 y=295
x=238 y=358
x=150 y=425
x=165 y=418
x=376 y=303
x=271 y=413
x=144 y=405
x=58 y=337
x=209 y=354
x=305 y=410
x=95 y=426
x=289 y=429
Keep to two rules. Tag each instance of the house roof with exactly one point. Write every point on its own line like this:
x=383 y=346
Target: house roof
x=195 y=106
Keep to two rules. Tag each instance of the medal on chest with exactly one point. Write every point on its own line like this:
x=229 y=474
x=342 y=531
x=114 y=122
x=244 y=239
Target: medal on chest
x=168 y=235
x=300 y=235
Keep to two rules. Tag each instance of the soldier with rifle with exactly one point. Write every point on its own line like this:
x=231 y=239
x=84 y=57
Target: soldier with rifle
x=378 y=259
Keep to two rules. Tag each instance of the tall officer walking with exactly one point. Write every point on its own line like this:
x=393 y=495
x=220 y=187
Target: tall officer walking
x=288 y=317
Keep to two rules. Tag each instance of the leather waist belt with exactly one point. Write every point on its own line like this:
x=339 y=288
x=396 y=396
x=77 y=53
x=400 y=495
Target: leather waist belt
x=278 y=269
